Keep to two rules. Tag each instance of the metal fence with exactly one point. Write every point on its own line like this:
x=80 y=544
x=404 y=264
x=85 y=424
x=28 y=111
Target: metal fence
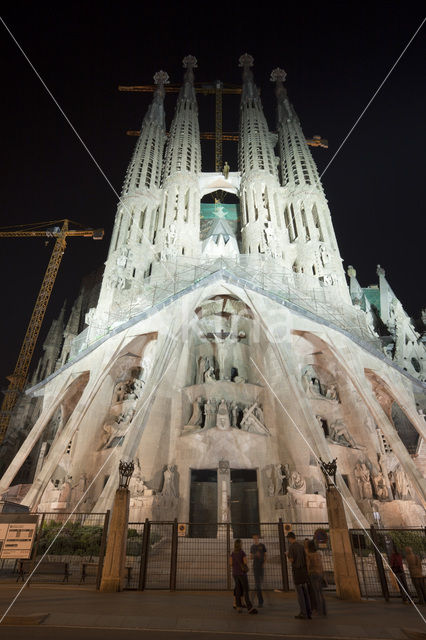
x=372 y=554
x=168 y=555
x=70 y=547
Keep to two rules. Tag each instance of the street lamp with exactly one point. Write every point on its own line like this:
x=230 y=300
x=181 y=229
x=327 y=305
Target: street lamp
x=329 y=470
x=125 y=470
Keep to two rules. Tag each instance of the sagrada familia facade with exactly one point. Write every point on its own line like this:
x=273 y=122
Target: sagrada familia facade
x=226 y=352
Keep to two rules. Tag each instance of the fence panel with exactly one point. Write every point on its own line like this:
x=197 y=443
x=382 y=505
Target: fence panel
x=133 y=554
x=202 y=562
x=159 y=555
x=386 y=540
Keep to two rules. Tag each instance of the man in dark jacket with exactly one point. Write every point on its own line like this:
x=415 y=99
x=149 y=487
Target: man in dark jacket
x=297 y=557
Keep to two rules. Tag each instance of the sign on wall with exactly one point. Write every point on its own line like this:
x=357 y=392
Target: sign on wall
x=17 y=535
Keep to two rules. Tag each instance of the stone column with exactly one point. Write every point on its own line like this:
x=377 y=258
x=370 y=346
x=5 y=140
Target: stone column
x=224 y=492
x=345 y=574
x=115 y=556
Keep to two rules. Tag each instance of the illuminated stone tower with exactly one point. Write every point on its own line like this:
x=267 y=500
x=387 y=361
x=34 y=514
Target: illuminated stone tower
x=226 y=352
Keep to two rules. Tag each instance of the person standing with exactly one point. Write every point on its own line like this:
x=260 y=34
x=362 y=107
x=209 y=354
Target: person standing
x=297 y=557
x=398 y=569
x=416 y=572
x=238 y=563
x=258 y=555
x=316 y=576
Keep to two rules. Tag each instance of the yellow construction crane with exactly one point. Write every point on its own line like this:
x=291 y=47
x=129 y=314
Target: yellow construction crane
x=60 y=231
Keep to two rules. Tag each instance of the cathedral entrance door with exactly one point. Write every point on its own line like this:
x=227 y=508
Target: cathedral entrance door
x=244 y=503
x=203 y=503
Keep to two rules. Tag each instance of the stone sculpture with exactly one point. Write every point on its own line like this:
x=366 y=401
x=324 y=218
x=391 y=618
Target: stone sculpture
x=136 y=485
x=331 y=393
x=209 y=414
x=338 y=433
x=210 y=375
x=251 y=422
x=296 y=483
x=196 y=418
x=282 y=474
x=362 y=476
x=402 y=487
x=169 y=482
x=222 y=420
x=380 y=486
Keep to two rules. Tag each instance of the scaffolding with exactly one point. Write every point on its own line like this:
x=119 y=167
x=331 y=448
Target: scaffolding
x=304 y=294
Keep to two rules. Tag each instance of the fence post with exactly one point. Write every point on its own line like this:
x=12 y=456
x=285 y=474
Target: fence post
x=228 y=554
x=144 y=554
x=283 y=556
x=379 y=563
x=102 y=550
x=173 y=560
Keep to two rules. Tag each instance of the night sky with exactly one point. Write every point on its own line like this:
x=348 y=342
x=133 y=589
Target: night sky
x=336 y=54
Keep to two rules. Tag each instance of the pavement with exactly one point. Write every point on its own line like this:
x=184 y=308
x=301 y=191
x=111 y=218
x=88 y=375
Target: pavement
x=44 y=611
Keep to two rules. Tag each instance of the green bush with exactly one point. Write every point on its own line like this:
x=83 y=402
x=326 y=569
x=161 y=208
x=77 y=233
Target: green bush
x=414 y=539
x=74 y=540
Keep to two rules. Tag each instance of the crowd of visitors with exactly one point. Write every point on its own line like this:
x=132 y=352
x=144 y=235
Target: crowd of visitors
x=308 y=575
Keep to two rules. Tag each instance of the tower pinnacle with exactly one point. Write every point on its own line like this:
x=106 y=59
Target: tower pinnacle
x=250 y=91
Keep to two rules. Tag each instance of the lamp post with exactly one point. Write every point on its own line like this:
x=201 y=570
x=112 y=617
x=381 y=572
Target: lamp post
x=329 y=470
x=345 y=573
x=125 y=471
x=115 y=555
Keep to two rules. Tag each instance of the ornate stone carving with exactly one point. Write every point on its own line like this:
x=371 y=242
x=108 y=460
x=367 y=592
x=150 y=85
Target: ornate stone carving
x=210 y=413
x=317 y=389
x=252 y=420
x=223 y=466
x=196 y=418
x=296 y=483
x=246 y=60
x=362 y=477
x=210 y=375
x=161 y=77
x=190 y=62
x=222 y=420
x=282 y=476
x=170 y=482
x=402 y=486
x=338 y=433
x=278 y=74
x=380 y=486
x=170 y=249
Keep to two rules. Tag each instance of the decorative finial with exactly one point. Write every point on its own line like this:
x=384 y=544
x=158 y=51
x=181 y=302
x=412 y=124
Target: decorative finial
x=161 y=78
x=278 y=74
x=246 y=60
x=329 y=470
x=351 y=271
x=190 y=62
x=380 y=271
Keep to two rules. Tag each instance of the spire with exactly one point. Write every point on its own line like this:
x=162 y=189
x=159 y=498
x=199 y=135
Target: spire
x=256 y=146
x=297 y=164
x=250 y=91
x=183 y=152
x=144 y=170
x=187 y=91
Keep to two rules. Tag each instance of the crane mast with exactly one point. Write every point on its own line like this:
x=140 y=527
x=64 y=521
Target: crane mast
x=19 y=376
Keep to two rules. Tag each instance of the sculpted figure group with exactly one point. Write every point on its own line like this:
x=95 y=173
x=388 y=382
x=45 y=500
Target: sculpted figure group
x=226 y=415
